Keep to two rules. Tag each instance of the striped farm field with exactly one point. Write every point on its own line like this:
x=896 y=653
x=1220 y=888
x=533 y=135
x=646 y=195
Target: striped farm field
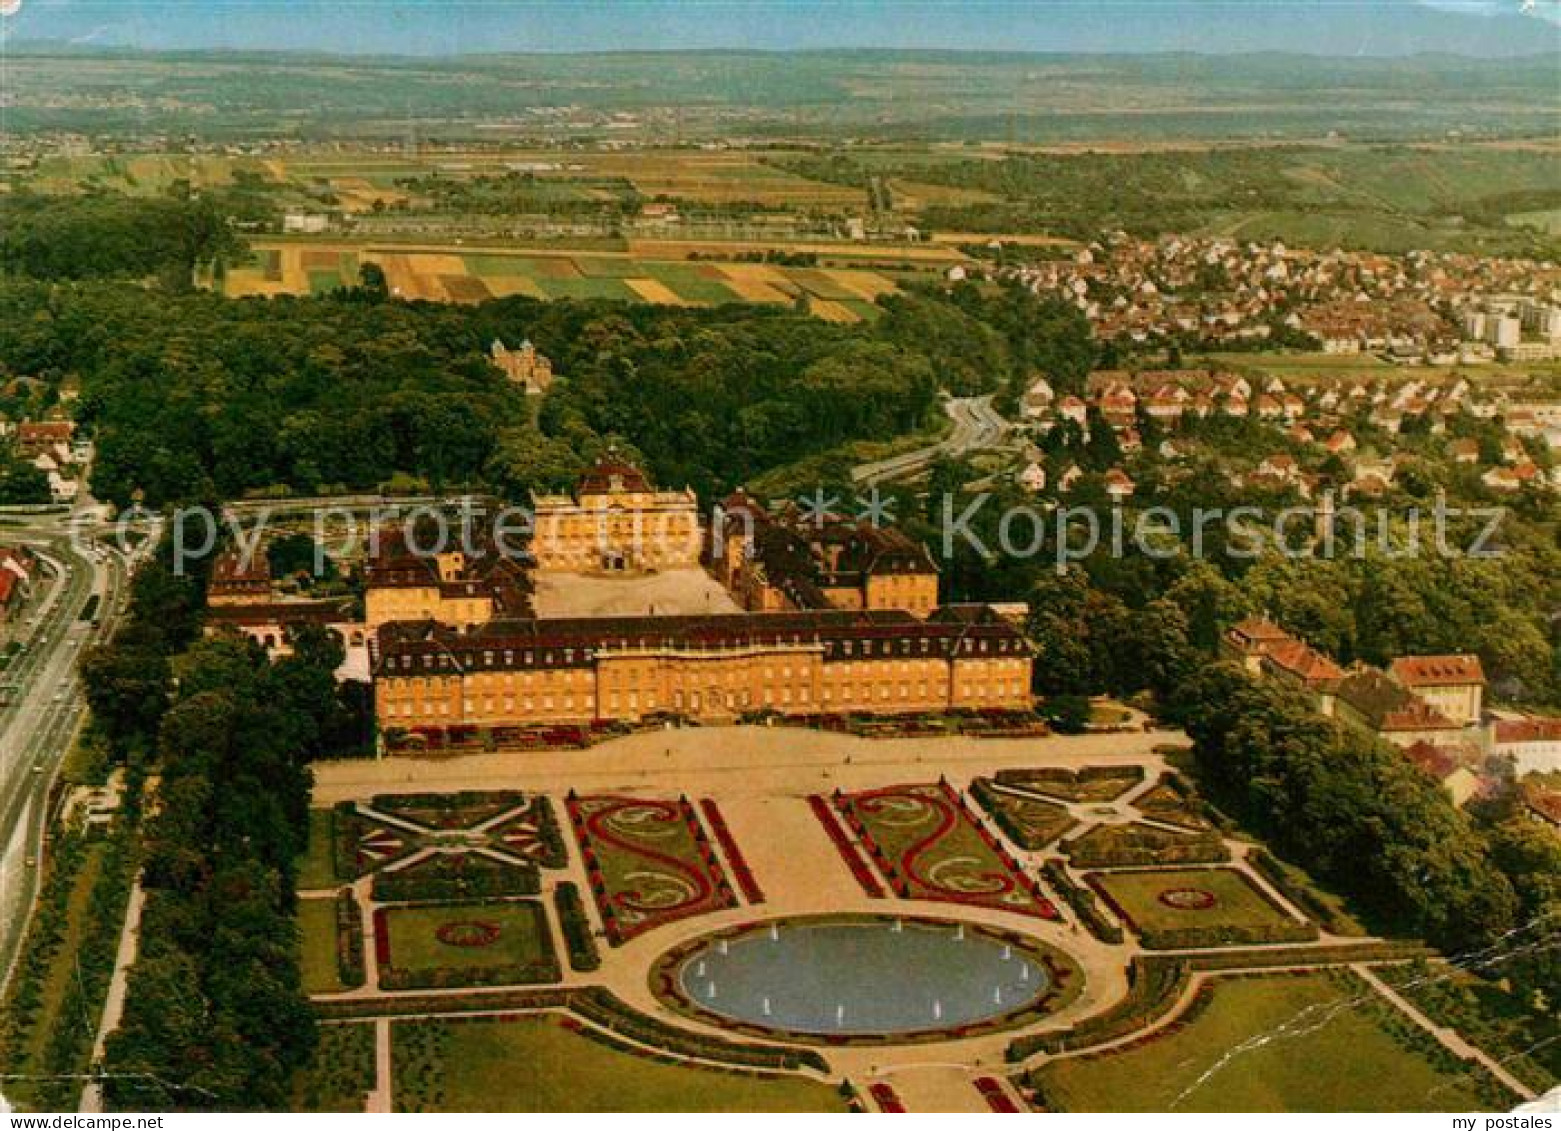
x=446 y=274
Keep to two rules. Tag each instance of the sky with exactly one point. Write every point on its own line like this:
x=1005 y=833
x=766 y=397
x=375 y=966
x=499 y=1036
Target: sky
x=439 y=27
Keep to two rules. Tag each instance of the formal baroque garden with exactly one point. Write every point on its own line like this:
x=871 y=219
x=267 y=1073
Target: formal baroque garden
x=494 y=967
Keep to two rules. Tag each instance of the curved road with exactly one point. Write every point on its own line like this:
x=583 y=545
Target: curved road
x=977 y=427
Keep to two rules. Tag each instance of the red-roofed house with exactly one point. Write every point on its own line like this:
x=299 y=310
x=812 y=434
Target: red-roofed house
x=1368 y=699
x=1534 y=745
x=1444 y=764
x=1454 y=685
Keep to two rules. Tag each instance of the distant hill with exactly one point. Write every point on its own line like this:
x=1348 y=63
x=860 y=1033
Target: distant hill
x=1030 y=98
x=1490 y=28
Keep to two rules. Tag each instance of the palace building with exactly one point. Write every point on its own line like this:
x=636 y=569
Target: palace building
x=616 y=522
x=772 y=563
x=452 y=587
x=524 y=672
x=841 y=618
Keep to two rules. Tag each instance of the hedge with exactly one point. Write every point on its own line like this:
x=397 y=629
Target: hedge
x=573 y=921
x=410 y=887
x=599 y=1005
x=349 y=940
x=454 y=977
x=1184 y=938
x=1082 y=901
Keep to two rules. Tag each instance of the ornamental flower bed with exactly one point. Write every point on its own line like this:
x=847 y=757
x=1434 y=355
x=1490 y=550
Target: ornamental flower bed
x=459 y=875
x=1030 y=822
x=723 y=835
x=847 y=849
x=449 y=810
x=1123 y=846
x=649 y=862
x=1088 y=785
x=886 y=1098
x=929 y=844
x=996 y=1098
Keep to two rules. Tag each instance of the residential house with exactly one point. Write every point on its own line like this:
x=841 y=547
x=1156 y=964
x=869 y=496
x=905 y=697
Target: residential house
x=1368 y=699
x=1532 y=744
x=1454 y=685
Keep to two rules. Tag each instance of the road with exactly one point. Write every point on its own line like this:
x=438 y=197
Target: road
x=44 y=707
x=977 y=427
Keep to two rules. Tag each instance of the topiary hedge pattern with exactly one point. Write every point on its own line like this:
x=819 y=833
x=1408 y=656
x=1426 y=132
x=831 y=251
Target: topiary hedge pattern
x=576 y=925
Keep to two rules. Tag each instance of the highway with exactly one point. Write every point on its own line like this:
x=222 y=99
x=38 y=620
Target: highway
x=977 y=427
x=44 y=707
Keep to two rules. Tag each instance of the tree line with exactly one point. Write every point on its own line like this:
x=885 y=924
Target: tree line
x=215 y=1016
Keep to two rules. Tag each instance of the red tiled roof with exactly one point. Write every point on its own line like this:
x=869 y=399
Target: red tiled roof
x=1527 y=730
x=1304 y=662
x=1260 y=628
x=1437 y=671
x=612 y=473
x=1438 y=761
x=1544 y=802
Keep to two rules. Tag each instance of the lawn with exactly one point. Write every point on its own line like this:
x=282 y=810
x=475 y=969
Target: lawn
x=340 y=1074
x=317 y=869
x=1174 y=907
x=317 y=946
x=541 y=1065
x=1314 y=1042
x=484 y=943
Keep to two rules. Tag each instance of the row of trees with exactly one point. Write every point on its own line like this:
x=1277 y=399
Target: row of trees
x=215 y=1017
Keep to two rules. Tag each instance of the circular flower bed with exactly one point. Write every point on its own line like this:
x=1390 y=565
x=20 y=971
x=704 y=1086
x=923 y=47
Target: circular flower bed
x=1187 y=899
x=468 y=934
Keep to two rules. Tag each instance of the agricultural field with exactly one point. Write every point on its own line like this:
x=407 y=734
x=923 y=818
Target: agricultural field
x=1307 y=1042
x=548 y=1063
x=454 y=274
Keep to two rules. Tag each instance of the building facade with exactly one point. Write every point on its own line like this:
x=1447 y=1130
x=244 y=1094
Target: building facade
x=616 y=522
x=771 y=563
x=1454 y=685
x=709 y=669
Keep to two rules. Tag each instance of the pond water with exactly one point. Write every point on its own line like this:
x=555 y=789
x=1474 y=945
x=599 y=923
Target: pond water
x=867 y=977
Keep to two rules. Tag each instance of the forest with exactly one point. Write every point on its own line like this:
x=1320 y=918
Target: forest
x=189 y=395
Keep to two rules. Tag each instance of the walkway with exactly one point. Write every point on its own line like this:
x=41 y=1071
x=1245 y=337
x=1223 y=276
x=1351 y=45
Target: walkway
x=1449 y=1038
